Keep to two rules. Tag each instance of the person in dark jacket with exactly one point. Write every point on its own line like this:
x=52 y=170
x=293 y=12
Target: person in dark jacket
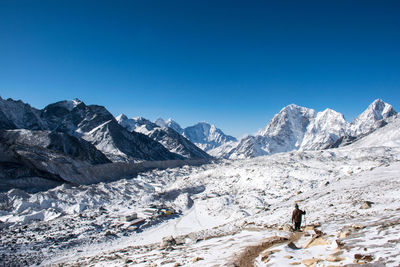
x=296 y=217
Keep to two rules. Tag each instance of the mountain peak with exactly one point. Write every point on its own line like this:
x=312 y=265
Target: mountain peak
x=376 y=111
x=160 y=122
x=121 y=117
x=169 y=123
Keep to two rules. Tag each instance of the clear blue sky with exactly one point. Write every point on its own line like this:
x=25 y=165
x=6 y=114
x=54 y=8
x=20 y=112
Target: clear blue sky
x=231 y=63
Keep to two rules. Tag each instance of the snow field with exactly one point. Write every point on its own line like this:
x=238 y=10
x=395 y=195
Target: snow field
x=81 y=224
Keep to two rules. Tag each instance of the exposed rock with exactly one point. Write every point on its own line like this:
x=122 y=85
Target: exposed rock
x=357 y=226
x=168 y=241
x=309 y=262
x=309 y=228
x=292 y=246
x=196 y=259
x=363 y=257
x=366 y=205
x=319 y=241
x=332 y=258
x=287 y=228
x=345 y=233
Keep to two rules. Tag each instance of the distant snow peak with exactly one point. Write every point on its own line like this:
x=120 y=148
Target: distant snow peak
x=169 y=123
x=207 y=136
x=160 y=122
x=162 y=133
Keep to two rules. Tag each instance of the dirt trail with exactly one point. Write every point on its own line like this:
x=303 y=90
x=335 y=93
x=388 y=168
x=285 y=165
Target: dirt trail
x=246 y=259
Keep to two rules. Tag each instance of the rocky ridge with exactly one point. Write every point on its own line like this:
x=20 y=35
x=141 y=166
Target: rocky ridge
x=167 y=136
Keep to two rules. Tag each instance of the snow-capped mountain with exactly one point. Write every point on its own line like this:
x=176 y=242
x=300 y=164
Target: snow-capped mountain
x=98 y=126
x=206 y=136
x=370 y=119
x=92 y=123
x=326 y=128
x=167 y=136
x=203 y=134
x=169 y=123
x=299 y=128
x=286 y=129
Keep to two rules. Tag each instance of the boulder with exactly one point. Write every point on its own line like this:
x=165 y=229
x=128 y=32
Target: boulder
x=364 y=258
x=310 y=262
x=357 y=226
x=319 y=241
x=333 y=258
x=287 y=228
x=128 y=218
x=345 y=233
x=168 y=241
x=196 y=259
x=366 y=205
x=292 y=246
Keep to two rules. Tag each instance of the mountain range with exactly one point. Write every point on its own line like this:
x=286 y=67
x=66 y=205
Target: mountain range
x=168 y=137
x=300 y=128
x=56 y=144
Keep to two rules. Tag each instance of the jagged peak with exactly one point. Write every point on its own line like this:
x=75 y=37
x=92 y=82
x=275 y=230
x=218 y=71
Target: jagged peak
x=121 y=117
x=293 y=107
x=330 y=113
x=160 y=122
x=377 y=110
x=170 y=121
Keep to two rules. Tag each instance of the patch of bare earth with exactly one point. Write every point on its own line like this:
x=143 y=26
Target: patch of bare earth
x=247 y=257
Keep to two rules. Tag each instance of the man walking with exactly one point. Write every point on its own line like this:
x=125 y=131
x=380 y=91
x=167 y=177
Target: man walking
x=296 y=217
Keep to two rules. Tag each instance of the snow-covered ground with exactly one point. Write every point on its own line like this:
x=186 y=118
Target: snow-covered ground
x=225 y=209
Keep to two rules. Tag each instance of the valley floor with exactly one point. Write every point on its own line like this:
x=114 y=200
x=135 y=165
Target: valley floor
x=230 y=213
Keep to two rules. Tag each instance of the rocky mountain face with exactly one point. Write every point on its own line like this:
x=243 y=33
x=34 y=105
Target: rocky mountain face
x=98 y=126
x=50 y=146
x=36 y=160
x=167 y=136
x=18 y=115
x=299 y=128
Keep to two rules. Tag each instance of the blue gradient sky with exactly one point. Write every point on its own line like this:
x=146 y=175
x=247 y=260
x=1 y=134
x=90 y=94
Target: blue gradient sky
x=231 y=63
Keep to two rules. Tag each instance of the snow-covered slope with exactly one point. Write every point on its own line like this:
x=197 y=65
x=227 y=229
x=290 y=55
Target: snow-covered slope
x=299 y=128
x=167 y=136
x=225 y=208
x=388 y=135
